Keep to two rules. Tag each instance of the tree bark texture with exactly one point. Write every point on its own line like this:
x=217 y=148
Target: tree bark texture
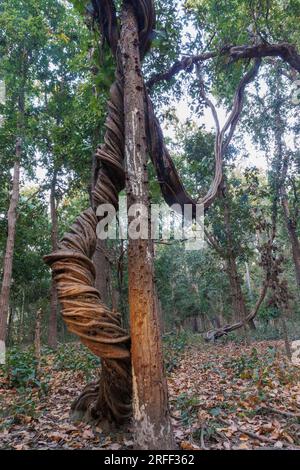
x=238 y=300
x=37 y=339
x=83 y=310
x=52 y=330
x=10 y=243
x=291 y=226
x=150 y=397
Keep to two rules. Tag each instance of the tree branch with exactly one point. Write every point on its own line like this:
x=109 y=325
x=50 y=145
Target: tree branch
x=287 y=52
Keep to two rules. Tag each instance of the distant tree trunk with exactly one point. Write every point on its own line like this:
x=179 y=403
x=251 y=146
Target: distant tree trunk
x=9 y=334
x=37 y=339
x=52 y=330
x=161 y=316
x=281 y=169
x=120 y=285
x=292 y=231
x=238 y=300
x=101 y=263
x=248 y=280
x=102 y=281
x=286 y=337
x=150 y=397
x=10 y=243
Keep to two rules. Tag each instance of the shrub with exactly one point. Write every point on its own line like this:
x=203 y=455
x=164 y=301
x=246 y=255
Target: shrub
x=173 y=346
x=21 y=368
x=74 y=356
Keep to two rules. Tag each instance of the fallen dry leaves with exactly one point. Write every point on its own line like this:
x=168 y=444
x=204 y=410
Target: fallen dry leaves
x=212 y=405
x=219 y=402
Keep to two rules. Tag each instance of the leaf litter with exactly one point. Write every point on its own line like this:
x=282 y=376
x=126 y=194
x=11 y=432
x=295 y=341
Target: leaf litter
x=222 y=396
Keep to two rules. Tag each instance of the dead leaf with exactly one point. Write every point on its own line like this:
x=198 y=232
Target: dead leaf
x=185 y=445
x=88 y=434
x=278 y=444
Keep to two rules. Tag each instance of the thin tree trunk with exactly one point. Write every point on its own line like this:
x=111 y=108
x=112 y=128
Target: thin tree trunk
x=10 y=243
x=37 y=339
x=9 y=334
x=101 y=263
x=286 y=337
x=291 y=228
x=52 y=330
x=120 y=285
x=248 y=280
x=150 y=396
x=238 y=301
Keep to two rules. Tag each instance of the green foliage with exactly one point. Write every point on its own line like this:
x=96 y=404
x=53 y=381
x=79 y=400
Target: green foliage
x=188 y=406
x=49 y=51
x=240 y=22
x=24 y=405
x=263 y=370
x=21 y=368
x=76 y=357
x=174 y=345
x=244 y=365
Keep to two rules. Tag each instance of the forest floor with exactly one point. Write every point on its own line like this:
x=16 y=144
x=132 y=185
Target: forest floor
x=223 y=396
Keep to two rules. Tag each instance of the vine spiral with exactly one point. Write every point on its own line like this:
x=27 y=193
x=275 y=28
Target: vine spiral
x=98 y=327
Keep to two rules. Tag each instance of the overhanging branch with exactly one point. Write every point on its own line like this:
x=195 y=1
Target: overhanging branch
x=287 y=52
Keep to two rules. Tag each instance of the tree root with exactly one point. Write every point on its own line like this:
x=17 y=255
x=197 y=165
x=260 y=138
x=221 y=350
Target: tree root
x=108 y=399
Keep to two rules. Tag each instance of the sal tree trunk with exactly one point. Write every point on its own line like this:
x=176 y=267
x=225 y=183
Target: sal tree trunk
x=150 y=397
x=10 y=243
x=52 y=331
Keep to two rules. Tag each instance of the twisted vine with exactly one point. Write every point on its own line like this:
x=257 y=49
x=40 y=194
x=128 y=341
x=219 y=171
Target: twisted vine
x=83 y=311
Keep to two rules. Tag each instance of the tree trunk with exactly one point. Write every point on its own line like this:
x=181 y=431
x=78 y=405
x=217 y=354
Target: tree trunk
x=248 y=280
x=291 y=228
x=120 y=285
x=238 y=301
x=285 y=337
x=150 y=396
x=37 y=339
x=52 y=330
x=10 y=243
x=9 y=333
x=101 y=263
x=102 y=281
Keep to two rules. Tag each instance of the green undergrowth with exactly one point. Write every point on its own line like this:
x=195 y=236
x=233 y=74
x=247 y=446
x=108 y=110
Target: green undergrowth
x=27 y=385
x=263 y=369
x=76 y=357
x=174 y=345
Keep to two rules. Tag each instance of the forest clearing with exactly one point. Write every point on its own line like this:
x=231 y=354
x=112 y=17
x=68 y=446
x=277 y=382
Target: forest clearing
x=149 y=225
